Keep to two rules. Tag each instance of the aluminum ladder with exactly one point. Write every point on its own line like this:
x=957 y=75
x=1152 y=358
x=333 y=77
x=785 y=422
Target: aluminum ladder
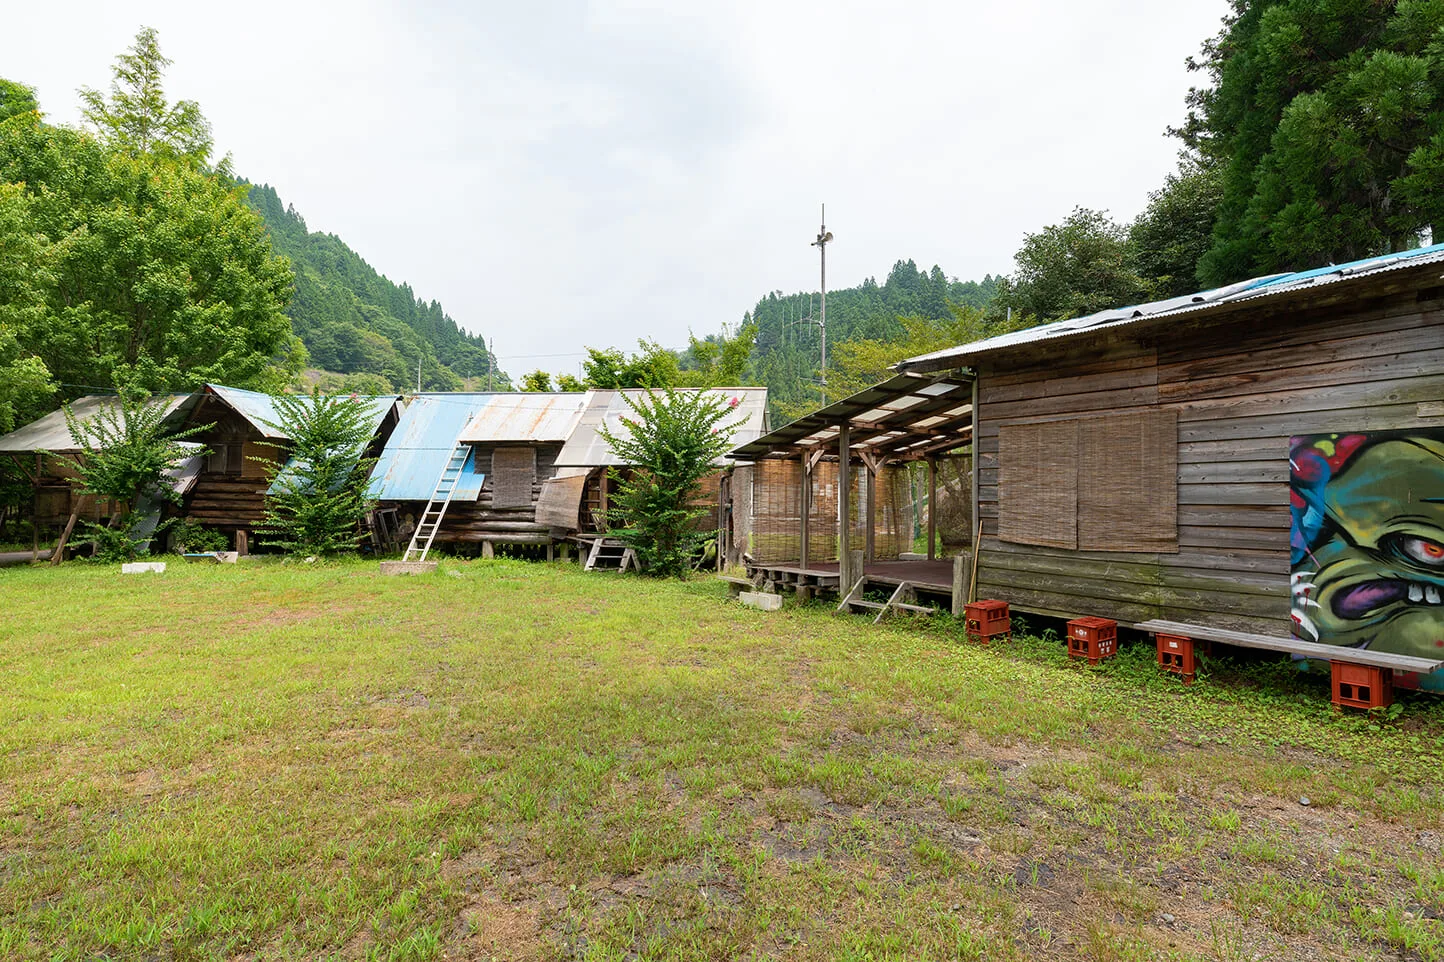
x=430 y=521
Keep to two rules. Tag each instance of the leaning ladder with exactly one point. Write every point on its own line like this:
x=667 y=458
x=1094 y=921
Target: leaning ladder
x=436 y=508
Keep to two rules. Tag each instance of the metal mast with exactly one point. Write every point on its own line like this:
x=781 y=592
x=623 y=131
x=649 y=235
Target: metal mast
x=823 y=238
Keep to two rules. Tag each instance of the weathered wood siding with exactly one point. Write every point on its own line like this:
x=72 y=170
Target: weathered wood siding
x=231 y=501
x=1241 y=389
x=481 y=520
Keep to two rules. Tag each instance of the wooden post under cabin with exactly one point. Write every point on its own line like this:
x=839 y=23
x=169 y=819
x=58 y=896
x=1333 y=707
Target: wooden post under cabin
x=602 y=496
x=962 y=577
x=59 y=551
x=844 y=509
x=932 y=506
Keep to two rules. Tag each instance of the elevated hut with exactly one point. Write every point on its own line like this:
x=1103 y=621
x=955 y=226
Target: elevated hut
x=1266 y=458
x=245 y=445
x=581 y=488
x=509 y=442
x=833 y=493
x=40 y=454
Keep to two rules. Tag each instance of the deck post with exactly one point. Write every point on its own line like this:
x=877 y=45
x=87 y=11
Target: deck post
x=932 y=508
x=868 y=547
x=844 y=507
x=962 y=575
x=805 y=501
x=602 y=499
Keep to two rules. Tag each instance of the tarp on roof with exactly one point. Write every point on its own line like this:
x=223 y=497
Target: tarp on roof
x=260 y=409
x=525 y=417
x=587 y=448
x=417 y=451
x=51 y=433
x=1272 y=285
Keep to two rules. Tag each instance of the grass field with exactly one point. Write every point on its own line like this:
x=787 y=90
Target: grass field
x=518 y=761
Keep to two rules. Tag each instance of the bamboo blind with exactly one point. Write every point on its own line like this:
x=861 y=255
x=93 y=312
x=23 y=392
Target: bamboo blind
x=955 y=525
x=1098 y=484
x=513 y=471
x=1038 y=483
x=777 y=512
x=1128 y=482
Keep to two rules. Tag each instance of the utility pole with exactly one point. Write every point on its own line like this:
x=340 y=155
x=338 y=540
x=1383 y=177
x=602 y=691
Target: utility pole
x=823 y=239
x=490 y=364
x=418 y=374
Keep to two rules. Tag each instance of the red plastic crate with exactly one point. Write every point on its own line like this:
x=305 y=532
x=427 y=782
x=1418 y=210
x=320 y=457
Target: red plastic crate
x=986 y=620
x=1361 y=686
x=1176 y=654
x=1092 y=638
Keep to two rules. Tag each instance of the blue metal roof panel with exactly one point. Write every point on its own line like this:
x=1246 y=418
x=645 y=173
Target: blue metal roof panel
x=1259 y=287
x=412 y=461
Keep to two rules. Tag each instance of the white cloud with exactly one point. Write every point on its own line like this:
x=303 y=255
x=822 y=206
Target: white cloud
x=570 y=173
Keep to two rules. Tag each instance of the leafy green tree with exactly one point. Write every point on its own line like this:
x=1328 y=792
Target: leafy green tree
x=125 y=452
x=536 y=381
x=565 y=382
x=1071 y=269
x=155 y=275
x=16 y=99
x=137 y=120
x=25 y=383
x=1175 y=230
x=652 y=367
x=674 y=439
x=1326 y=118
x=318 y=498
x=719 y=360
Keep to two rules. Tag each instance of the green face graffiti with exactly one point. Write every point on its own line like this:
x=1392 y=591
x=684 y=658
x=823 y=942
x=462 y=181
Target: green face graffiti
x=1377 y=580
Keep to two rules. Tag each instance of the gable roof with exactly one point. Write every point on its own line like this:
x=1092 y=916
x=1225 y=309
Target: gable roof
x=587 y=448
x=51 y=433
x=525 y=417
x=260 y=412
x=1271 y=287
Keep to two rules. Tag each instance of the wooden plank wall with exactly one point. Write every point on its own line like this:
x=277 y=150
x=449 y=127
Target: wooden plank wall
x=1241 y=390
x=480 y=520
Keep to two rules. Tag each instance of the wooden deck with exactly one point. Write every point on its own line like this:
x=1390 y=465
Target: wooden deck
x=928 y=576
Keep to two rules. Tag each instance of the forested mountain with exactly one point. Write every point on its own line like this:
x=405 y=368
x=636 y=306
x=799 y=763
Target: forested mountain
x=356 y=322
x=786 y=352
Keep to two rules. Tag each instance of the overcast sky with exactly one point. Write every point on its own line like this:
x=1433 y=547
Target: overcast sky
x=561 y=174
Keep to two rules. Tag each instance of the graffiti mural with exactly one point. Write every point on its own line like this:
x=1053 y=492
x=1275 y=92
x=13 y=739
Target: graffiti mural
x=1367 y=543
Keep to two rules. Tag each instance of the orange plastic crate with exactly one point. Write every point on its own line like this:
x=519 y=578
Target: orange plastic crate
x=1092 y=638
x=1361 y=686
x=986 y=620
x=1176 y=654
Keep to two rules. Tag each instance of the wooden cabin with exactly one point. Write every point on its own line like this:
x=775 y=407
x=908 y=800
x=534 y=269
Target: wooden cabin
x=832 y=495
x=510 y=442
x=533 y=463
x=1267 y=457
x=246 y=448
x=40 y=454
x=582 y=492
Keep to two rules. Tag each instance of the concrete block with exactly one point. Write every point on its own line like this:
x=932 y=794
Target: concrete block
x=142 y=567
x=408 y=567
x=761 y=599
x=227 y=557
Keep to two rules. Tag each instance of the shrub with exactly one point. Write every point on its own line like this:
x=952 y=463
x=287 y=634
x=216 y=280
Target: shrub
x=675 y=438
x=317 y=499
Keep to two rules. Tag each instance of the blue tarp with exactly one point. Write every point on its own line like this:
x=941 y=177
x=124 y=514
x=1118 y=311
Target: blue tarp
x=422 y=444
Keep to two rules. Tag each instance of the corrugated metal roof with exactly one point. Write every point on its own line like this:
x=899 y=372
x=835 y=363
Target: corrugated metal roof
x=906 y=416
x=526 y=417
x=587 y=448
x=412 y=461
x=51 y=433
x=1272 y=285
x=260 y=409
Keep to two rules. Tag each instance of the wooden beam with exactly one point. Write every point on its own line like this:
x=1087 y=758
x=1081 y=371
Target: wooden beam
x=65 y=535
x=844 y=506
x=932 y=508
